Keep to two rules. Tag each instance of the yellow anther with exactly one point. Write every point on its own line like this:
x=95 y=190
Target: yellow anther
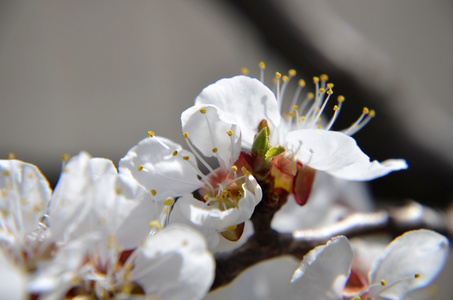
x=155 y=224
x=315 y=79
x=310 y=96
x=224 y=192
x=330 y=85
x=285 y=78
x=319 y=126
x=292 y=114
x=111 y=241
x=218 y=197
x=186 y=135
x=203 y=111
x=296 y=107
x=206 y=197
x=329 y=92
x=356 y=298
x=321 y=90
x=366 y=110
x=169 y=202
x=372 y=113
x=301 y=82
x=5 y=173
x=324 y=77
x=230 y=132
x=319 y=119
x=151 y=133
x=278 y=75
x=245 y=71
x=383 y=283
x=118 y=191
x=340 y=99
x=185 y=157
x=11 y=156
x=234 y=169
x=153 y=192
x=214 y=150
x=335 y=108
x=302 y=118
x=185 y=243
x=174 y=153
x=127 y=287
x=140 y=168
x=245 y=171
x=417 y=276
x=292 y=72
x=262 y=65
x=65 y=157
x=231 y=227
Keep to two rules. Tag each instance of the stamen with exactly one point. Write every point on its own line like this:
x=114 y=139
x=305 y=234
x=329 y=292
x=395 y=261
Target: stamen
x=277 y=78
x=169 y=202
x=262 y=66
x=11 y=155
x=354 y=128
x=245 y=71
x=336 y=110
x=151 y=133
x=298 y=91
x=153 y=192
x=192 y=148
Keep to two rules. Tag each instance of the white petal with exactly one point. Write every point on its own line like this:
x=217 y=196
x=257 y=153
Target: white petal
x=12 y=280
x=174 y=264
x=246 y=101
x=25 y=194
x=54 y=278
x=422 y=252
x=324 y=271
x=168 y=175
x=136 y=210
x=267 y=280
x=211 y=217
x=209 y=130
x=337 y=154
x=72 y=201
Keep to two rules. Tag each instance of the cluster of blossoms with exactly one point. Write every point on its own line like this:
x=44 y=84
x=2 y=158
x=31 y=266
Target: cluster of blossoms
x=150 y=229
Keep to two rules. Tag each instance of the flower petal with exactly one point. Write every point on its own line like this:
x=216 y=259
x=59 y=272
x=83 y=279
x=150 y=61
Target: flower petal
x=13 y=281
x=168 y=175
x=212 y=217
x=24 y=192
x=324 y=271
x=422 y=252
x=338 y=154
x=174 y=264
x=246 y=101
x=208 y=131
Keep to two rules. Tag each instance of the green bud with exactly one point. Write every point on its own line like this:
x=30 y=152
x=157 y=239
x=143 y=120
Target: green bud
x=273 y=152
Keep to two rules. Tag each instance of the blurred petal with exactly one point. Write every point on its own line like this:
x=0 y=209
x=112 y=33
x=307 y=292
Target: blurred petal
x=24 y=194
x=422 y=252
x=324 y=271
x=174 y=264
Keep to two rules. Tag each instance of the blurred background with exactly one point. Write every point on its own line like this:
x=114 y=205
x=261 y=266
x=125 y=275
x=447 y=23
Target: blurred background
x=97 y=75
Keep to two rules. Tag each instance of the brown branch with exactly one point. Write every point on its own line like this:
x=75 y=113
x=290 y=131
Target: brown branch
x=267 y=243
